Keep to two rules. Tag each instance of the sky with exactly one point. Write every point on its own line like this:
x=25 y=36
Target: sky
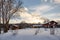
x=47 y=8
x=40 y=10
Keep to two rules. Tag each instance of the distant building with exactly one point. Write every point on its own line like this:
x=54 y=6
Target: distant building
x=37 y=25
x=50 y=24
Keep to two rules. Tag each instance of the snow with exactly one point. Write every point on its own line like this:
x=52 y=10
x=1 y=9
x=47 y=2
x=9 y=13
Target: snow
x=29 y=34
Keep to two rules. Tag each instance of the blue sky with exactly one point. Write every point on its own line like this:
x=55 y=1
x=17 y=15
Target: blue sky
x=54 y=6
x=29 y=3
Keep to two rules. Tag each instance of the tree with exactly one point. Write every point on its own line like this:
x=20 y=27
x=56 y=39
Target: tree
x=52 y=24
x=7 y=9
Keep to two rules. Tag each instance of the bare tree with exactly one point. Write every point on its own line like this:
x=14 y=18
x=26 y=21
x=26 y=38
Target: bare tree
x=7 y=9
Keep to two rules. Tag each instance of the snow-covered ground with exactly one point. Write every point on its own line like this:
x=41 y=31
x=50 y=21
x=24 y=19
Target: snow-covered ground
x=29 y=34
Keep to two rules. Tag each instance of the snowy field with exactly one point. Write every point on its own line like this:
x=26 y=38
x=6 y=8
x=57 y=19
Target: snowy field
x=29 y=34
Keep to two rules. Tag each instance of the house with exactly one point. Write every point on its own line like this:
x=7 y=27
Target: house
x=50 y=24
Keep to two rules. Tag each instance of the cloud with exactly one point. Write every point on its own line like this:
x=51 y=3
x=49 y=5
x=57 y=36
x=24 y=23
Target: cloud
x=52 y=1
x=52 y=16
x=35 y=16
x=56 y=1
x=46 y=8
x=32 y=17
x=41 y=8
